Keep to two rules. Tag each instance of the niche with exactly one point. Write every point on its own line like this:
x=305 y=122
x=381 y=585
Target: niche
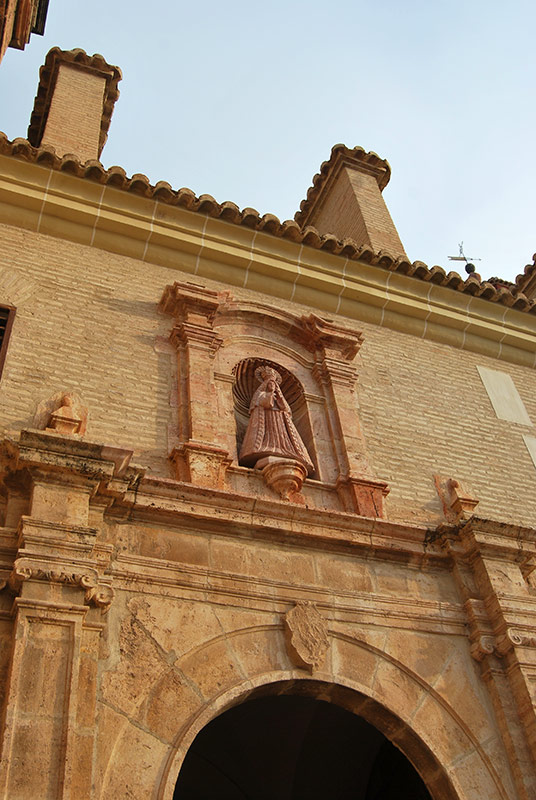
x=244 y=385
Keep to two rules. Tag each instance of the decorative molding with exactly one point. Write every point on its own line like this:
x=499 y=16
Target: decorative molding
x=369 y=289
x=182 y=300
x=306 y=635
x=96 y=594
x=330 y=339
x=482 y=647
x=285 y=476
x=329 y=371
x=185 y=333
x=514 y=637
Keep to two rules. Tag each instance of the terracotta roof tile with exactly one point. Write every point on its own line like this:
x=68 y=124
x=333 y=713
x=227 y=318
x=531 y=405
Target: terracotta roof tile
x=526 y=282
x=116 y=177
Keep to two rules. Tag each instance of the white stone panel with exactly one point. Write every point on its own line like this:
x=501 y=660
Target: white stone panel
x=504 y=396
x=530 y=441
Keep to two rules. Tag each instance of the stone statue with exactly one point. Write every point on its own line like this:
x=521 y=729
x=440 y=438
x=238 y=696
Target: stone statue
x=271 y=431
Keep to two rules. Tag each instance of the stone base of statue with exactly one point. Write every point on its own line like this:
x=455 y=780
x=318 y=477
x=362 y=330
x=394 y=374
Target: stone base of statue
x=284 y=475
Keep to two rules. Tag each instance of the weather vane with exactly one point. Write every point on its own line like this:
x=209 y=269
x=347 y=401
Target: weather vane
x=469 y=266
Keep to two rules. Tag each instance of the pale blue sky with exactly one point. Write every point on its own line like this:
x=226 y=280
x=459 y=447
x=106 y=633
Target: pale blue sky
x=244 y=101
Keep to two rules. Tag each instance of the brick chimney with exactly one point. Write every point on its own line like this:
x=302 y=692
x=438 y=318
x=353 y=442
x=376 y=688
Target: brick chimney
x=74 y=103
x=346 y=200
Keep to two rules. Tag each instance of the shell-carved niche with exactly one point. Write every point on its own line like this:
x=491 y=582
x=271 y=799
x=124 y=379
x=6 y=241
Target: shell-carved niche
x=222 y=341
x=272 y=424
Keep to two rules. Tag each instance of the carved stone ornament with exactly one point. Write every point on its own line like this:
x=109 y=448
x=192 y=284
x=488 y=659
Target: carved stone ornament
x=514 y=638
x=271 y=431
x=284 y=475
x=487 y=645
x=482 y=647
x=62 y=413
x=99 y=595
x=461 y=502
x=306 y=635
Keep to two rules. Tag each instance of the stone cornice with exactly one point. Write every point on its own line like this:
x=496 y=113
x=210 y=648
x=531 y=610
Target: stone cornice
x=68 y=207
x=151 y=575
x=243 y=516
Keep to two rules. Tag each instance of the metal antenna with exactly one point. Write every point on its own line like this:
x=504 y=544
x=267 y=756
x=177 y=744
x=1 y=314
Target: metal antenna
x=469 y=267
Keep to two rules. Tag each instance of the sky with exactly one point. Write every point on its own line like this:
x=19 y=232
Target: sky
x=244 y=101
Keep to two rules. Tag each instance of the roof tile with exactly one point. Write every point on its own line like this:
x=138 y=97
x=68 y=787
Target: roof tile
x=116 y=177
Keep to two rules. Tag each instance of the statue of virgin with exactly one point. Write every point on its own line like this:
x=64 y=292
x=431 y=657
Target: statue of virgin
x=271 y=431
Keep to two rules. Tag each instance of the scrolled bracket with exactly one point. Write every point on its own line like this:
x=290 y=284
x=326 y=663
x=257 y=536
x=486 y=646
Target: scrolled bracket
x=100 y=596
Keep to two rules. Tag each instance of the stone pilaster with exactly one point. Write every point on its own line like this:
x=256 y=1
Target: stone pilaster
x=61 y=598
x=198 y=459
x=335 y=349
x=489 y=560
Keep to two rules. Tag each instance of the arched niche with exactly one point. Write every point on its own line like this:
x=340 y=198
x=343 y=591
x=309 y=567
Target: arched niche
x=385 y=742
x=291 y=746
x=244 y=385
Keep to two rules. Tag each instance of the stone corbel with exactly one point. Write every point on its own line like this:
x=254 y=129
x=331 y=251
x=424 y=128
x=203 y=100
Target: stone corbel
x=482 y=647
x=100 y=595
x=285 y=476
x=512 y=638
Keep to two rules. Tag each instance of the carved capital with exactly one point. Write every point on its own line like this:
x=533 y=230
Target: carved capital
x=101 y=596
x=514 y=638
x=306 y=635
x=190 y=303
x=187 y=333
x=330 y=371
x=26 y=569
x=329 y=339
x=482 y=647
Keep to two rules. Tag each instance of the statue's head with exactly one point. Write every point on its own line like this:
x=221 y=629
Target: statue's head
x=266 y=373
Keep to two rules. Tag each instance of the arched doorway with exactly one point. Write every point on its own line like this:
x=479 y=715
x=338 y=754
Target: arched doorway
x=292 y=747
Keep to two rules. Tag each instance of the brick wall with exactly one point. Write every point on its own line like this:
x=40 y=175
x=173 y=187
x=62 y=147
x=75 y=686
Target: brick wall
x=87 y=322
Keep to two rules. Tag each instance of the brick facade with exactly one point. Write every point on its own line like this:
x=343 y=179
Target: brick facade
x=151 y=581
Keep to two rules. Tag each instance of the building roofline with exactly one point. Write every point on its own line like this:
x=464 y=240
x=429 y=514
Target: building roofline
x=116 y=177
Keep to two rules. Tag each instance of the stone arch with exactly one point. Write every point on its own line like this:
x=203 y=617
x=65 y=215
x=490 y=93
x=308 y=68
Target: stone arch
x=440 y=745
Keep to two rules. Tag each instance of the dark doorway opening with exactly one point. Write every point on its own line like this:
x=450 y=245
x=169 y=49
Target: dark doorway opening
x=295 y=748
